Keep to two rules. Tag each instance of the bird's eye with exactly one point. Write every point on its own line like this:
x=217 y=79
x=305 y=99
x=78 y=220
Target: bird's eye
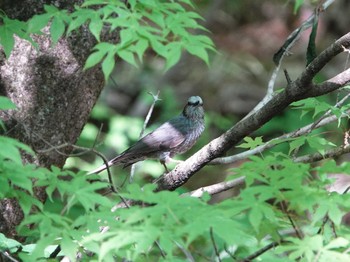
x=193 y=103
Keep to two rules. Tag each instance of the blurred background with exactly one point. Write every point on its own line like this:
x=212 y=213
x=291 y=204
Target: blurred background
x=246 y=33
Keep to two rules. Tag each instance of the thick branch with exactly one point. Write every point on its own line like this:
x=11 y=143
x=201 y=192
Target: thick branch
x=297 y=90
x=324 y=120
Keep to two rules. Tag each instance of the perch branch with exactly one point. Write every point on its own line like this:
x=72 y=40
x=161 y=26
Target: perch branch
x=322 y=121
x=299 y=89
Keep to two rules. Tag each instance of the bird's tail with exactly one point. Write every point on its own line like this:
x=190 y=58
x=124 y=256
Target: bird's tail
x=110 y=163
x=98 y=170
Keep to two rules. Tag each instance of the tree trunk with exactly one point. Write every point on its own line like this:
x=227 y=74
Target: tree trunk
x=53 y=95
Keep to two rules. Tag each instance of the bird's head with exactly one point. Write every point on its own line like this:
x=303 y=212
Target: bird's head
x=194 y=108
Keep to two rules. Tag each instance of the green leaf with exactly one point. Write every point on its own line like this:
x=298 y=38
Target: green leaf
x=20 y=178
x=335 y=214
x=69 y=247
x=199 y=52
x=255 y=217
x=127 y=36
x=311 y=48
x=337 y=243
x=156 y=17
x=79 y=17
x=57 y=29
x=108 y=65
x=94 y=58
x=159 y=48
x=101 y=50
x=319 y=143
x=173 y=54
x=312 y=105
x=8 y=244
x=140 y=48
x=251 y=143
x=127 y=56
x=38 y=22
x=11 y=148
x=6 y=39
x=297 y=5
x=51 y=9
x=27 y=202
x=296 y=143
x=96 y=26
x=6 y=103
x=308 y=247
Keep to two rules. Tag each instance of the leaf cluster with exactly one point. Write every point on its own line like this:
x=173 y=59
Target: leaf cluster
x=167 y=28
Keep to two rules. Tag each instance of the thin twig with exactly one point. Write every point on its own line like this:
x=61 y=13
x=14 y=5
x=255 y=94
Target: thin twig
x=295 y=227
x=260 y=252
x=109 y=173
x=325 y=220
x=55 y=252
x=8 y=256
x=214 y=244
x=229 y=252
x=162 y=253
x=269 y=92
x=145 y=123
x=216 y=188
x=83 y=150
x=334 y=231
x=286 y=74
x=186 y=252
x=332 y=153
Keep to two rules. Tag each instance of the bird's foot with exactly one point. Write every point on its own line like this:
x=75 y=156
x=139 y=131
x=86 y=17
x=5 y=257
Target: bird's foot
x=175 y=161
x=166 y=168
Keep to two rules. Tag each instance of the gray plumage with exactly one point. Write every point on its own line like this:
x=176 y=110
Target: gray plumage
x=175 y=136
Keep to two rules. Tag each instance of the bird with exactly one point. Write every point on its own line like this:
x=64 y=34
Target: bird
x=176 y=136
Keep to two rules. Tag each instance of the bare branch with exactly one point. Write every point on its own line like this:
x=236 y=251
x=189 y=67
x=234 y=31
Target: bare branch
x=216 y=188
x=328 y=154
x=260 y=252
x=284 y=51
x=322 y=121
x=297 y=230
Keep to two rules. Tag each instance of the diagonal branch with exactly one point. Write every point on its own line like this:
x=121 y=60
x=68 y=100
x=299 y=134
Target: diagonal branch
x=299 y=89
x=322 y=121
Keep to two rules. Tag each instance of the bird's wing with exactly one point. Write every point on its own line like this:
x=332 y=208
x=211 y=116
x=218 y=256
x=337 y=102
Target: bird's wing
x=166 y=137
x=163 y=139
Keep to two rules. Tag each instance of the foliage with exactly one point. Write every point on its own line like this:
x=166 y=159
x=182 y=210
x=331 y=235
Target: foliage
x=170 y=223
x=174 y=226
x=284 y=202
x=165 y=27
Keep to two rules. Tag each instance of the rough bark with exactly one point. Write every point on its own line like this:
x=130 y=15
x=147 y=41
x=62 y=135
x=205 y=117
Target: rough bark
x=53 y=95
